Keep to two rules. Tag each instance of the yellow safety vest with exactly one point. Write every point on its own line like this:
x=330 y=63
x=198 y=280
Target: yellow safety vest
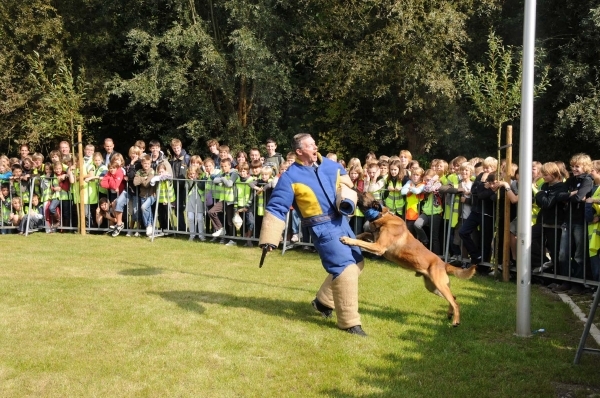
x=594 y=228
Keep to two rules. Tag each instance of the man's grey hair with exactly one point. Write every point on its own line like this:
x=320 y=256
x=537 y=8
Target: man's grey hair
x=297 y=140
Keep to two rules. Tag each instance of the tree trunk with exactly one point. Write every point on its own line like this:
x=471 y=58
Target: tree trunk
x=414 y=141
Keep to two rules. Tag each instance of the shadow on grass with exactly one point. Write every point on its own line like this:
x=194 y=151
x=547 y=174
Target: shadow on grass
x=145 y=271
x=194 y=300
x=249 y=282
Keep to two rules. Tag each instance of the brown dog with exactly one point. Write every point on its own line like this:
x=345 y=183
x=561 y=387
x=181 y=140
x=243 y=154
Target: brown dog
x=391 y=239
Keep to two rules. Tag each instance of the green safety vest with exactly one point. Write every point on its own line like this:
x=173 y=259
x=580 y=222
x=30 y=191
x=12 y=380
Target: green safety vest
x=429 y=207
x=5 y=211
x=452 y=213
x=90 y=190
x=217 y=189
x=243 y=192
x=594 y=228
x=395 y=201
x=21 y=191
x=46 y=193
x=60 y=195
x=535 y=209
x=357 y=211
x=412 y=205
x=227 y=193
x=377 y=194
x=260 y=202
x=167 y=193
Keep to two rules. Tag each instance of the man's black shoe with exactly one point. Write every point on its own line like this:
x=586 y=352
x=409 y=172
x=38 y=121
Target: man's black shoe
x=325 y=311
x=356 y=330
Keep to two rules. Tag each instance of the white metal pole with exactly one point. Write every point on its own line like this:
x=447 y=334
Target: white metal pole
x=525 y=191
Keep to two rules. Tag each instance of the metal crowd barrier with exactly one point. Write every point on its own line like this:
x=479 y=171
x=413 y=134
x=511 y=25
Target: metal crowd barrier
x=176 y=209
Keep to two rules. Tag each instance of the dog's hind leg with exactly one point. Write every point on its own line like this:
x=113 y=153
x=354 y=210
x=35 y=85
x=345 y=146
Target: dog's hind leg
x=431 y=287
x=440 y=280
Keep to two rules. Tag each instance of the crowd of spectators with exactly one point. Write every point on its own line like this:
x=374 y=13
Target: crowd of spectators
x=451 y=207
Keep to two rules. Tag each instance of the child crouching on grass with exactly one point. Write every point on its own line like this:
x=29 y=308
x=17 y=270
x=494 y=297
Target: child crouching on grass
x=105 y=218
x=35 y=217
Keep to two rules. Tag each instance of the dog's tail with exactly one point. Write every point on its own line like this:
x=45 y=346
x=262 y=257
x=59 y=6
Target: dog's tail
x=461 y=273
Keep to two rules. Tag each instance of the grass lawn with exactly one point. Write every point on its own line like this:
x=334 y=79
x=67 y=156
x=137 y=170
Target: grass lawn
x=124 y=317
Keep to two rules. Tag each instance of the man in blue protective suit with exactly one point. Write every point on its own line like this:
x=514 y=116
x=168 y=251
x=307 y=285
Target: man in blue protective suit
x=310 y=185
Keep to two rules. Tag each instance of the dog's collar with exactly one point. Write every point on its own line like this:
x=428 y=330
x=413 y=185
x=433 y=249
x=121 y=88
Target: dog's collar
x=372 y=215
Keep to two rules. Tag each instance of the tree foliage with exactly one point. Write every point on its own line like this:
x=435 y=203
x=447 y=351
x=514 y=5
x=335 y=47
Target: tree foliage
x=61 y=98
x=27 y=26
x=361 y=75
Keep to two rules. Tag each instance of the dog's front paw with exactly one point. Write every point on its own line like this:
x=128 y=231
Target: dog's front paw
x=345 y=240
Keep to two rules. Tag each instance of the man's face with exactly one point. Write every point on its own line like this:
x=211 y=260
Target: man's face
x=64 y=148
x=24 y=151
x=308 y=152
x=155 y=150
x=109 y=146
x=176 y=149
x=271 y=148
x=225 y=167
x=254 y=155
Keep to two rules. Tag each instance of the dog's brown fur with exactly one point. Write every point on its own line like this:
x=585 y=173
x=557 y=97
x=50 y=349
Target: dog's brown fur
x=391 y=239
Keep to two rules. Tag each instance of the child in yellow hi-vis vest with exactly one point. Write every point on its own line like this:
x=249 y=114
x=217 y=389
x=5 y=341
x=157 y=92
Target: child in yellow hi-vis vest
x=262 y=187
x=224 y=196
x=166 y=197
x=432 y=213
x=592 y=216
x=413 y=191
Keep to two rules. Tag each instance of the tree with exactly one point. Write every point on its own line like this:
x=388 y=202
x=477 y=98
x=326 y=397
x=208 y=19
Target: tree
x=582 y=113
x=495 y=89
x=25 y=26
x=495 y=92
x=214 y=75
x=61 y=98
x=381 y=73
